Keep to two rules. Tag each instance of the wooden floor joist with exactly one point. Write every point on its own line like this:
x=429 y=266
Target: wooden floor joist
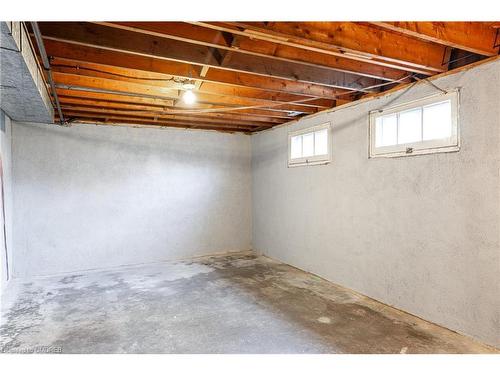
x=242 y=44
x=246 y=76
x=476 y=37
x=152 y=46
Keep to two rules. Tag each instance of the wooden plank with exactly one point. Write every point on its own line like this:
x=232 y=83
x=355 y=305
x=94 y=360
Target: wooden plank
x=78 y=53
x=350 y=40
x=165 y=81
x=147 y=125
x=149 y=111
x=197 y=34
x=476 y=37
x=160 y=103
x=65 y=80
x=146 y=45
x=103 y=104
x=131 y=119
x=153 y=115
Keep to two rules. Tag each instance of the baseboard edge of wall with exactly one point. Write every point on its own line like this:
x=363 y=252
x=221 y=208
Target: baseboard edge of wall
x=17 y=279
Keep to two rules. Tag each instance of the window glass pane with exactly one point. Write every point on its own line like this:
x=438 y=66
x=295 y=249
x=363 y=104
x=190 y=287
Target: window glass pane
x=296 y=147
x=307 y=144
x=410 y=126
x=437 y=121
x=386 y=131
x=321 y=142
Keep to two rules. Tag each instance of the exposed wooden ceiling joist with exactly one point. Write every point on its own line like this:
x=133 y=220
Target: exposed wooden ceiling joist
x=347 y=39
x=476 y=37
x=163 y=104
x=153 y=115
x=247 y=76
x=196 y=34
x=79 y=53
x=167 y=82
x=152 y=111
x=102 y=104
x=78 y=80
x=112 y=118
x=110 y=38
x=134 y=123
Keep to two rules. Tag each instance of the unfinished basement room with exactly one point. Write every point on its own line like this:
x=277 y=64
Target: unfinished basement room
x=234 y=187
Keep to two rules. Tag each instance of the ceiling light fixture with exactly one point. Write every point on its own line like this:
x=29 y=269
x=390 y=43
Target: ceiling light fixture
x=189 y=97
x=188 y=85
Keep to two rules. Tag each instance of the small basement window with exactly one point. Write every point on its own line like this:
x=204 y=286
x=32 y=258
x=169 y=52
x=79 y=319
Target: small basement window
x=421 y=127
x=309 y=146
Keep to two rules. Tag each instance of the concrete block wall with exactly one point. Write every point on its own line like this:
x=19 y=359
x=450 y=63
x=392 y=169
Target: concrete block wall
x=421 y=233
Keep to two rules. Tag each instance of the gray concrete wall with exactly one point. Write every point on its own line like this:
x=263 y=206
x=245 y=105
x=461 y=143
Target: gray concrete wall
x=91 y=197
x=5 y=236
x=420 y=232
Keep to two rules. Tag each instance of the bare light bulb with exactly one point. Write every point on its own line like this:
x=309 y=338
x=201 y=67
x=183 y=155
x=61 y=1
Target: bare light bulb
x=189 y=97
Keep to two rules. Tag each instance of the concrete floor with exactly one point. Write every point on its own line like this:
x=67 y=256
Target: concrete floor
x=238 y=303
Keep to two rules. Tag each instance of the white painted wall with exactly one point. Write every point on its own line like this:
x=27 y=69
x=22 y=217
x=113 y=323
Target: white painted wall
x=90 y=196
x=421 y=233
x=5 y=240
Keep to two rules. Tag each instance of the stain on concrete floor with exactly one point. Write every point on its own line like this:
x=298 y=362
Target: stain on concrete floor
x=236 y=303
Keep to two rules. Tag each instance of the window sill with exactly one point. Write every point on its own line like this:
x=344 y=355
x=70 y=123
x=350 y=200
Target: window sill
x=306 y=163
x=423 y=151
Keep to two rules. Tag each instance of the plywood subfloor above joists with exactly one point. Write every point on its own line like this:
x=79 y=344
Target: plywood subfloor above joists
x=247 y=76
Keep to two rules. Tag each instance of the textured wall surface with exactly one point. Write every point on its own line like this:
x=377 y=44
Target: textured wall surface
x=90 y=197
x=5 y=236
x=420 y=232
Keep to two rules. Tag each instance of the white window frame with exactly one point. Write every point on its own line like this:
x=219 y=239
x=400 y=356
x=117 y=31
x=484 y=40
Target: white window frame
x=451 y=144
x=310 y=160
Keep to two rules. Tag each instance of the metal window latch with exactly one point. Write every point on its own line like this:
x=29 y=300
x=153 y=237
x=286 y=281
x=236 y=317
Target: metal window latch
x=409 y=150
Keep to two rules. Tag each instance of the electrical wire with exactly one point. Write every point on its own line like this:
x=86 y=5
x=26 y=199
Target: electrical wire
x=46 y=66
x=417 y=80
x=432 y=84
x=377 y=86
x=78 y=67
x=222 y=109
x=459 y=58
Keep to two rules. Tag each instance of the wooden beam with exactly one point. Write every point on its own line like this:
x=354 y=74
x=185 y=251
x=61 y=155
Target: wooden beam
x=153 y=115
x=146 y=45
x=198 y=34
x=165 y=81
x=147 y=125
x=119 y=99
x=79 y=53
x=476 y=37
x=348 y=39
x=65 y=80
x=152 y=111
x=203 y=73
x=131 y=119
